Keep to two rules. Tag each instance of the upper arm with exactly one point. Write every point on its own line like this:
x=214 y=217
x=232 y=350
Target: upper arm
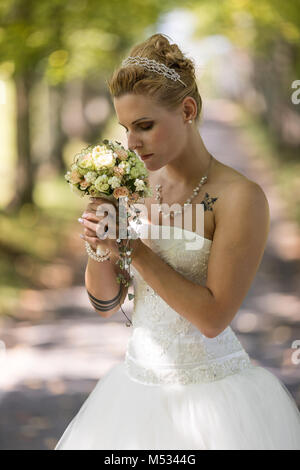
x=242 y=227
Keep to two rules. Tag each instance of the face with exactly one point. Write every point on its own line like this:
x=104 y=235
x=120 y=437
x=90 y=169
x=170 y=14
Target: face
x=162 y=133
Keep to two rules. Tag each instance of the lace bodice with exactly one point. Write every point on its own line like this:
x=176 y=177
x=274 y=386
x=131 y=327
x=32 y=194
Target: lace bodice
x=165 y=348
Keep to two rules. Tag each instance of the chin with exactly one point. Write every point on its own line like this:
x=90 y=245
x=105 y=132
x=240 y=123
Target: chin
x=149 y=164
x=153 y=165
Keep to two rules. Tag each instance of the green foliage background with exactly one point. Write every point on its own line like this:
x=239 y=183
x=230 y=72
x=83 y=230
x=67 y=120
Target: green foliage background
x=51 y=49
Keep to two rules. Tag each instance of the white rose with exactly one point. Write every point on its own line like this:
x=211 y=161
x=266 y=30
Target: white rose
x=126 y=166
x=102 y=178
x=139 y=184
x=106 y=160
x=91 y=176
x=98 y=150
x=114 y=182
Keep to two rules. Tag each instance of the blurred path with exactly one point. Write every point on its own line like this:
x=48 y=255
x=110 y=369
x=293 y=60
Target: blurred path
x=52 y=366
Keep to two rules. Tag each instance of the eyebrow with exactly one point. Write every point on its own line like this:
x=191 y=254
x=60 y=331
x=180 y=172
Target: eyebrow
x=134 y=122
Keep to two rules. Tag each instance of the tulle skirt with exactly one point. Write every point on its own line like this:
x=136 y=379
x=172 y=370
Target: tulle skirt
x=249 y=410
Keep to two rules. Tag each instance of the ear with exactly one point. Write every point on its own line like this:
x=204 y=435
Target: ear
x=189 y=108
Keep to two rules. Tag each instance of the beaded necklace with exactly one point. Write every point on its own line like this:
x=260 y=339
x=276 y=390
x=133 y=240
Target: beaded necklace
x=196 y=190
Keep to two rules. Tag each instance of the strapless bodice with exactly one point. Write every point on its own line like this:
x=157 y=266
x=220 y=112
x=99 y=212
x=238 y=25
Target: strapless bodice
x=164 y=347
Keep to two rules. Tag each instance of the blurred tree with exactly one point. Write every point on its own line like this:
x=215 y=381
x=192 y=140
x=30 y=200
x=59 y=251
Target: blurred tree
x=60 y=42
x=269 y=31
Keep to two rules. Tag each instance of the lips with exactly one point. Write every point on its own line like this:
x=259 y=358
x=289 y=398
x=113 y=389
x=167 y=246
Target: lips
x=146 y=156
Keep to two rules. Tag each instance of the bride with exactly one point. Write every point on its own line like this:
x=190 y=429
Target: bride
x=186 y=381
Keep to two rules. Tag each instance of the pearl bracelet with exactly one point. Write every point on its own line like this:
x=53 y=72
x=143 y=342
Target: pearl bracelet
x=94 y=256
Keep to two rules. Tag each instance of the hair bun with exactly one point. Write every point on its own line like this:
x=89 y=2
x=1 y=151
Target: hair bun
x=158 y=47
x=171 y=54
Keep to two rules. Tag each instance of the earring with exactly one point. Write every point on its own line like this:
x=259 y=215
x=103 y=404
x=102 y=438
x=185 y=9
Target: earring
x=190 y=121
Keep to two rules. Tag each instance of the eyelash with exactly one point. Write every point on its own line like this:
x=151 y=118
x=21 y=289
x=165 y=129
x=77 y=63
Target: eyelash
x=143 y=128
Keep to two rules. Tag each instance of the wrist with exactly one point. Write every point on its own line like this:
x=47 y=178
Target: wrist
x=138 y=251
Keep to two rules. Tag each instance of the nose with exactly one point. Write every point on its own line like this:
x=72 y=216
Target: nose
x=133 y=142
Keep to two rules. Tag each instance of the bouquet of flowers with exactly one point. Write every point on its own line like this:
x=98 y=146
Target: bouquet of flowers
x=109 y=171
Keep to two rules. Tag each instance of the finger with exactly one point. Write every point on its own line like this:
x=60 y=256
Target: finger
x=100 y=232
x=88 y=224
x=97 y=230
x=100 y=225
x=107 y=222
x=102 y=228
x=90 y=216
x=89 y=233
x=93 y=241
x=101 y=213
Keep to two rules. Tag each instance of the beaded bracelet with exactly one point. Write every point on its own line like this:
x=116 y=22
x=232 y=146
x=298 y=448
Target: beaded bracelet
x=94 y=256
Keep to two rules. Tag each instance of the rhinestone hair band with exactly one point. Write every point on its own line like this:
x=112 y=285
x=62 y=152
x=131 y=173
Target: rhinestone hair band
x=153 y=66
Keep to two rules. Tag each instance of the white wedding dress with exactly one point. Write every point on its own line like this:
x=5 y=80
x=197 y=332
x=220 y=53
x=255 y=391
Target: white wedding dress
x=178 y=389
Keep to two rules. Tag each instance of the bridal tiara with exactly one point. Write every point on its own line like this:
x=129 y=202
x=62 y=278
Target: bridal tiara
x=153 y=66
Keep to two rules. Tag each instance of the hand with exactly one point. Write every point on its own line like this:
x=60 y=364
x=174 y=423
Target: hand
x=94 y=229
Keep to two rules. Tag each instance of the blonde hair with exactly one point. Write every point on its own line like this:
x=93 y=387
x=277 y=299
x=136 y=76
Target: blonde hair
x=166 y=92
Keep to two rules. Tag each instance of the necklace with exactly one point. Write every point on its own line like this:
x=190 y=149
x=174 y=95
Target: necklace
x=196 y=190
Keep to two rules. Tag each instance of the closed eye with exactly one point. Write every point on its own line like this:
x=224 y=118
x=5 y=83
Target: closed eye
x=144 y=128
x=147 y=128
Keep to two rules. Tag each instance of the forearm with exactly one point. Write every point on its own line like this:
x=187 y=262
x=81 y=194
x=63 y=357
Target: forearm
x=102 y=286
x=194 y=302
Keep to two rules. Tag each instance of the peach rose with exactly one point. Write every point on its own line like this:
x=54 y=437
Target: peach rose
x=120 y=191
x=121 y=154
x=118 y=171
x=75 y=177
x=84 y=184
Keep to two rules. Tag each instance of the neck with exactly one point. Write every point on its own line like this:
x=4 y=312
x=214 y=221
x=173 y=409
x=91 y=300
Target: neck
x=190 y=165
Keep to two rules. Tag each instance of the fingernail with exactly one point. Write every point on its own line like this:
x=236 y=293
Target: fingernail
x=81 y=236
x=80 y=220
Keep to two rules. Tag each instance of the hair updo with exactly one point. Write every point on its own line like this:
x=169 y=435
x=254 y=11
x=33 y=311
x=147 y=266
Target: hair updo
x=140 y=81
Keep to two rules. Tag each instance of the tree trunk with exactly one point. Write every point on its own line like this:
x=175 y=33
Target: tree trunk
x=58 y=136
x=24 y=173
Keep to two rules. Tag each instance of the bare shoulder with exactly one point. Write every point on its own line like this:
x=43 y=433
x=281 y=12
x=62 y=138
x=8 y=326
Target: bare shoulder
x=236 y=189
x=243 y=211
x=244 y=193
